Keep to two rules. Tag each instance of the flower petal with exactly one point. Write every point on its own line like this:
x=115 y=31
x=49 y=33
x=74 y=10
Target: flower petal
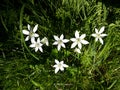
x=40 y=48
x=35 y=28
x=56 y=70
x=102 y=29
x=96 y=39
x=36 y=49
x=27 y=38
x=61 y=37
x=82 y=36
x=94 y=35
x=103 y=35
x=56 y=61
x=84 y=42
x=55 y=43
x=79 y=45
x=38 y=40
x=58 y=47
x=76 y=34
x=61 y=68
x=56 y=37
x=25 y=32
x=32 y=45
x=36 y=35
x=96 y=30
x=73 y=45
x=65 y=40
x=101 y=41
x=73 y=39
x=28 y=27
x=63 y=45
x=64 y=65
x=33 y=40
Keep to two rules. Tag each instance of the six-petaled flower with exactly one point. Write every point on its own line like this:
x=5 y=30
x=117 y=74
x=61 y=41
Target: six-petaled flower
x=98 y=34
x=60 y=41
x=59 y=66
x=78 y=40
x=30 y=33
x=37 y=45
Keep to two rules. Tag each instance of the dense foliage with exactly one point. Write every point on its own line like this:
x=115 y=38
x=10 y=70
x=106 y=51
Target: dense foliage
x=97 y=67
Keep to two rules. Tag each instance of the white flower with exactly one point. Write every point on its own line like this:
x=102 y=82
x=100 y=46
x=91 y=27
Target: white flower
x=98 y=34
x=60 y=41
x=59 y=66
x=30 y=33
x=78 y=40
x=77 y=50
x=45 y=41
x=37 y=45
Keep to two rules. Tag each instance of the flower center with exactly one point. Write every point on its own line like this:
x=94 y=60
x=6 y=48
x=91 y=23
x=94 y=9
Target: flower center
x=78 y=40
x=98 y=36
x=37 y=45
x=31 y=34
x=59 y=65
x=60 y=41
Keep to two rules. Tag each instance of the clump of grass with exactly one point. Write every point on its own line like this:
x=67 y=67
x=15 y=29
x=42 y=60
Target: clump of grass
x=96 y=67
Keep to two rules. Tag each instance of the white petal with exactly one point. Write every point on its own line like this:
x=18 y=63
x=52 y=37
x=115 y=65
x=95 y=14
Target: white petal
x=103 y=35
x=63 y=45
x=25 y=32
x=56 y=38
x=55 y=65
x=82 y=36
x=65 y=40
x=102 y=29
x=56 y=61
x=36 y=35
x=61 y=68
x=73 y=45
x=77 y=50
x=56 y=70
x=101 y=41
x=28 y=27
x=55 y=43
x=84 y=42
x=38 y=40
x=73 y=39
x=32 y=45
x=64 y=65
x=35 y=28
x=96 y=30
x=79 y=45
x=40 y=48
x=61 y=62
x=47 y=43
x=94 y=35
x=27 y=38
x=96 y=39
x=61 y=37
x=76 y=34
x=33 y=40
x=36 y=49
x=59 y=46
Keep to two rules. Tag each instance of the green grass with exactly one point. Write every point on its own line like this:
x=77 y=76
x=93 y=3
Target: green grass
x=97 y=67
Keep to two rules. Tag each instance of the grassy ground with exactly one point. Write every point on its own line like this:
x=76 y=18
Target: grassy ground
x=97 y=67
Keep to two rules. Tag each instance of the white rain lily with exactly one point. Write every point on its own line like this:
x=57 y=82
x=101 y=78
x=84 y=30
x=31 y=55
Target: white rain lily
x=59 y=66
x=60 y=41
x=77 y=50
x=30 y=33
x=78 y=40
x=45 y=41
x=37 y=45
x=98 y=34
